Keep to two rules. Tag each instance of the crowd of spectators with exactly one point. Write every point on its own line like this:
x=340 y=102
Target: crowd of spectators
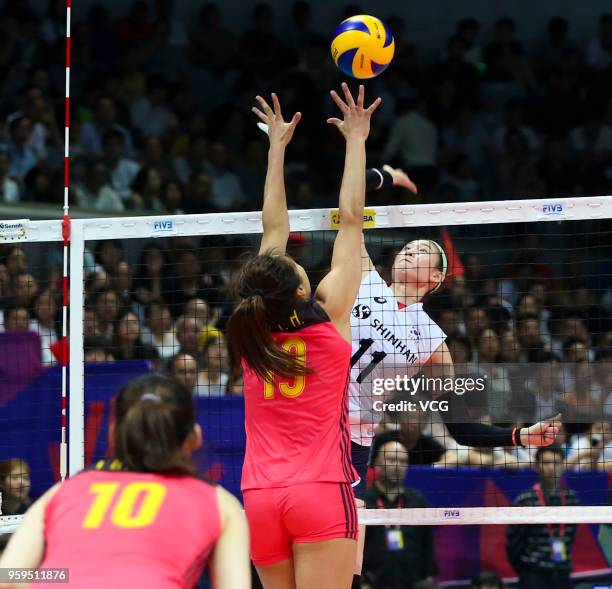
x=162 y=122
x=543 y=343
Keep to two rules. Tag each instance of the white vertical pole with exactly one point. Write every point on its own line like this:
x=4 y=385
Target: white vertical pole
x=76 y=404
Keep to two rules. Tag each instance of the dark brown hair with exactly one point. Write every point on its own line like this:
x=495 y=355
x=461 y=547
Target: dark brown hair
x=154 y=415
x=267 y=286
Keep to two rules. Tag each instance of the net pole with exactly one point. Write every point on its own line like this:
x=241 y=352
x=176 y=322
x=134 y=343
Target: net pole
x=76 y=407
x=66 y=241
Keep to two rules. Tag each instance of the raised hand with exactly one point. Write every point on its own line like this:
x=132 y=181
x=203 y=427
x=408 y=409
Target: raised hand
x=279 y=132
x=543 y=433
x=356 y=118
x=400 y=178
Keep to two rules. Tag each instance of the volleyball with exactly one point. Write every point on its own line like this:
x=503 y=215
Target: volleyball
x=362 y=46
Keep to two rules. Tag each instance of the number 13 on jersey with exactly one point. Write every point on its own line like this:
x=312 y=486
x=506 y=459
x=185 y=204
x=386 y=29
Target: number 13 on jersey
x=289 y=387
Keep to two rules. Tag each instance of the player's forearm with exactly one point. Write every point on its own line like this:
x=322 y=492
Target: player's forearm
x=469 y=433
x=352 y=191
x=275 y=216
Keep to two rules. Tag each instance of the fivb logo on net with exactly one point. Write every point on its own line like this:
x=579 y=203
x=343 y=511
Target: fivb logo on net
x=553 y=208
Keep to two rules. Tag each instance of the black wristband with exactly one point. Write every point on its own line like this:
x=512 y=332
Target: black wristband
x=377 y=179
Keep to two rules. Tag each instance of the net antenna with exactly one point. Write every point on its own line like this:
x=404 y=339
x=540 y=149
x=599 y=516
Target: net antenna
x=66 y=240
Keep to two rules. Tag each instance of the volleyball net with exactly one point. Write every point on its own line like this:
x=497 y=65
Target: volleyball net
x=525 y=308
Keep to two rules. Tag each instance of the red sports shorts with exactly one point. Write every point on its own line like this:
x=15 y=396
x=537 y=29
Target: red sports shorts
x=310 y=512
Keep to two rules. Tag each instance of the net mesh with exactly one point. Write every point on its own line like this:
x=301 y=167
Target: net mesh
x=524 y=308
x=30 y=376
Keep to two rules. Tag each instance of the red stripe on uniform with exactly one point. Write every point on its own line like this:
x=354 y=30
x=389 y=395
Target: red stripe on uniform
x=345 y=436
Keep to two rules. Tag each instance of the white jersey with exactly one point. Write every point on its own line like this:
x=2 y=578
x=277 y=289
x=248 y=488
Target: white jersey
x=387 y=342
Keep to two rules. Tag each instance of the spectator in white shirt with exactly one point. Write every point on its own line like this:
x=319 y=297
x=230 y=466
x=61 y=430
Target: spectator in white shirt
x=45 y=131
x=123 y=171
x=158 y=330
x=227 y=192
x=515 y=121
x=53 y=28
x=23 y=157
x=151 y=115
x=461 y=176
x=213 y=380
x=105 y=119
x=593 y=139
x=414 y=138
x=468 y=30
x=467 y=136
x=45 y=309
x=96 y=192
x=8 y=186
x=196 y=160
x=599 y=50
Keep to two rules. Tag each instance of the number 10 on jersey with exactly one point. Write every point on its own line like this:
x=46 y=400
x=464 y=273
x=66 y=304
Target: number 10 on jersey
x=289 y=387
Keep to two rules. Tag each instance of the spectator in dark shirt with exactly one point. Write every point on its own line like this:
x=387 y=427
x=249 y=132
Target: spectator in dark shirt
x=542 y=554
x=17 y=319
x=127 y=343
x=396 y=557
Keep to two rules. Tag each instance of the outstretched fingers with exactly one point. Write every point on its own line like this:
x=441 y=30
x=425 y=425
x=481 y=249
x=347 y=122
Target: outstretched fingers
x=265 y=106
x=360 y=96
x=370 y=110
x=296 y=119
x=260 y=114
x=347 y=95
x=277 y=107
x=339 y=102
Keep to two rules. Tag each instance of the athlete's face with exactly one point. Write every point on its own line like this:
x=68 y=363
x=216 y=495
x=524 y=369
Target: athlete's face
x=418 y=263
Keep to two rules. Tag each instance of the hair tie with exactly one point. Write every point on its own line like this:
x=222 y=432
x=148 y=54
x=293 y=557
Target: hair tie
x=151 y=397
x=245 y=294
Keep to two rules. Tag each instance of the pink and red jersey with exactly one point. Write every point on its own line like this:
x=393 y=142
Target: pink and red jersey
x=297 y=428
x=116 y=529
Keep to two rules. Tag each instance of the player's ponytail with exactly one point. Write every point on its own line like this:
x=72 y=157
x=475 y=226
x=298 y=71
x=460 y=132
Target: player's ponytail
x=267 y=287
x=154 y=416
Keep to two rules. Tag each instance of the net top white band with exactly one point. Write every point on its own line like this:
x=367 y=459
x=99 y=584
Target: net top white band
x=454 y=516
x=431 y=215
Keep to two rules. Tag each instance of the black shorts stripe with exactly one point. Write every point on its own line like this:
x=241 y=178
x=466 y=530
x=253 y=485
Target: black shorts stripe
x=346 y=510
x=349 y=511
